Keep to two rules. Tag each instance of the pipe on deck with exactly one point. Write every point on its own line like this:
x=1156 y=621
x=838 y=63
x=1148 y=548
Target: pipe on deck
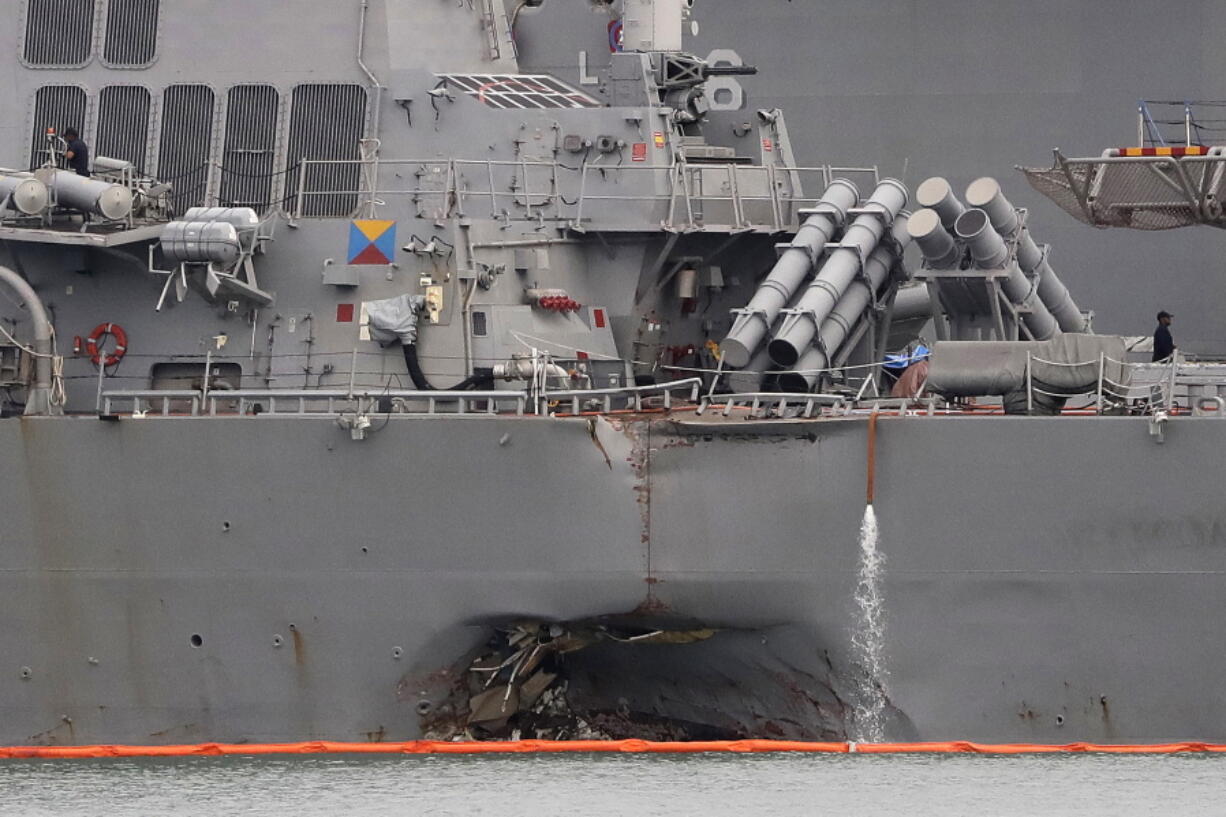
x=38 y=401
x=985 y=193
x=803 y=323
x=754 y=321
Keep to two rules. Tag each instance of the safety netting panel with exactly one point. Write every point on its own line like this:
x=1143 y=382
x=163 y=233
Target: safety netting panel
x=56 y=108
x=123 y=124
x=131 y=33
x=186 y=143
x=1142 y=194
x=59 y=33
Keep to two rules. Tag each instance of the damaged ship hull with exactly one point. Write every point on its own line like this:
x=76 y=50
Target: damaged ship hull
x=277 y=581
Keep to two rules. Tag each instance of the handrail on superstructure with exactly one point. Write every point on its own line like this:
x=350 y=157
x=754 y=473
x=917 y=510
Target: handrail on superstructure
x=457 y=189
x=335 y=402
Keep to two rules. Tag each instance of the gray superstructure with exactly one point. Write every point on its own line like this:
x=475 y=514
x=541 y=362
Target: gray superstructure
x=398 y=346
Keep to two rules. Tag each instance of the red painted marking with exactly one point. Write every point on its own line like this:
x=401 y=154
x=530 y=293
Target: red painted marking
x=598 y=317
x=638 y=153
x=1189 y=150
x=370 y=255
x=658 y=138
x=581 y=355
x=768 y=145
x=344 y=313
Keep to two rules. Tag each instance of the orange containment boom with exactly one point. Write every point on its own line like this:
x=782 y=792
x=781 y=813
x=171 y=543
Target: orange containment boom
x=429 y=747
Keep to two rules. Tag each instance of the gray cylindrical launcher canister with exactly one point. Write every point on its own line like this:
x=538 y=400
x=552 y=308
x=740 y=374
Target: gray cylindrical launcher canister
x=838 y=325
x=749 y=379
x=911 y=303
x=937 y=245
x=201 y=242
x=754 y=321
x=25 y=194
x=802 y=323
x=1030 y=258
x=936 y=194
x=989 y=252
x=984 y=194
x=111 y=201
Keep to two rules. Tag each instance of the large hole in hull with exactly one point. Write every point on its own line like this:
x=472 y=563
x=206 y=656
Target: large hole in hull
x=629 y=677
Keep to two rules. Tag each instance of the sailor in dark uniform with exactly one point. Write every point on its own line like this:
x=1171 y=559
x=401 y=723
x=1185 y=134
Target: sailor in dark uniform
x=1164 y=346
x=77 y=152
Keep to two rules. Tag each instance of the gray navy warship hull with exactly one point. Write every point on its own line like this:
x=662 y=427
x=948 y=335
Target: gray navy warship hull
x=1043 y=614
x=175 y=574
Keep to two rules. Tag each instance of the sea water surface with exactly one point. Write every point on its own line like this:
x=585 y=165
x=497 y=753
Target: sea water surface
x=587 y=785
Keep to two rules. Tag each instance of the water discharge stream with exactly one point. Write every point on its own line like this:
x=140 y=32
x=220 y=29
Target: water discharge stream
x=869 y=637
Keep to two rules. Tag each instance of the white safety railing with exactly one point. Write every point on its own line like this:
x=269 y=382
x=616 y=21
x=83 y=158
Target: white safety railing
x=680 y=195
x=1137 y=388
x=335 y=402
x=633 y=398
x=309 y=402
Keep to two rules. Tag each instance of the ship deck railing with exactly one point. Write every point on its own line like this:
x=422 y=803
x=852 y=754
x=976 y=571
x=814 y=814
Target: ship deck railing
x=676 y=196
x=309 y=402
x=1172 y=387
x=394 y=402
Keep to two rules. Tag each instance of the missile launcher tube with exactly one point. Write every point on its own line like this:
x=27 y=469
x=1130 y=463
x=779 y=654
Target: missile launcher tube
x=936 y=194
x=989 y=251
x=986 y=194
x=749 y=379
x=912 y=303
x=937 y=245
x=802 y=324
x=755 y=320
x=847 y=313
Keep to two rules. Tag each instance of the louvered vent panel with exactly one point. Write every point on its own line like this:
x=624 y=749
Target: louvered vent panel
x=250 y=147
x=186 y=142
x=123 y=124
x=59 y=107
x=131 y=33
x=326 y=122
x=59 y=33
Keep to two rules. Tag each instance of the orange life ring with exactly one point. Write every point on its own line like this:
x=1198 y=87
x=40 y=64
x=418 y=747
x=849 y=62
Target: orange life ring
x=100 y=332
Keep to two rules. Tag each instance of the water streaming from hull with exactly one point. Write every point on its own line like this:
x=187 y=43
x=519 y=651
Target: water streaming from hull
x=869 y=638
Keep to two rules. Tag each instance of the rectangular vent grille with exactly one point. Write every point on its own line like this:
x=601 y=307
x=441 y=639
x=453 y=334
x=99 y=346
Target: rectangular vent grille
x=326 y=122
x=59 y=33
x=123 y=124
x=185 y=146
x=250 y=148
x=58 y=107
x=131 y=33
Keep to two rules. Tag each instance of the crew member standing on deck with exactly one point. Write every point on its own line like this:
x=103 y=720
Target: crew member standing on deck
x=1164 y=347
x=77 y=152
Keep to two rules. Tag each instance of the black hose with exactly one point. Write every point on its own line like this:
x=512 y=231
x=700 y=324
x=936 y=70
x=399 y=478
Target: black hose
x=415 y=373
x=420 y=382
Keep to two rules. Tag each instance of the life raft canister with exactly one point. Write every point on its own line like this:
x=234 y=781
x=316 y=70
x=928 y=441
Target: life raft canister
x=93 y=344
